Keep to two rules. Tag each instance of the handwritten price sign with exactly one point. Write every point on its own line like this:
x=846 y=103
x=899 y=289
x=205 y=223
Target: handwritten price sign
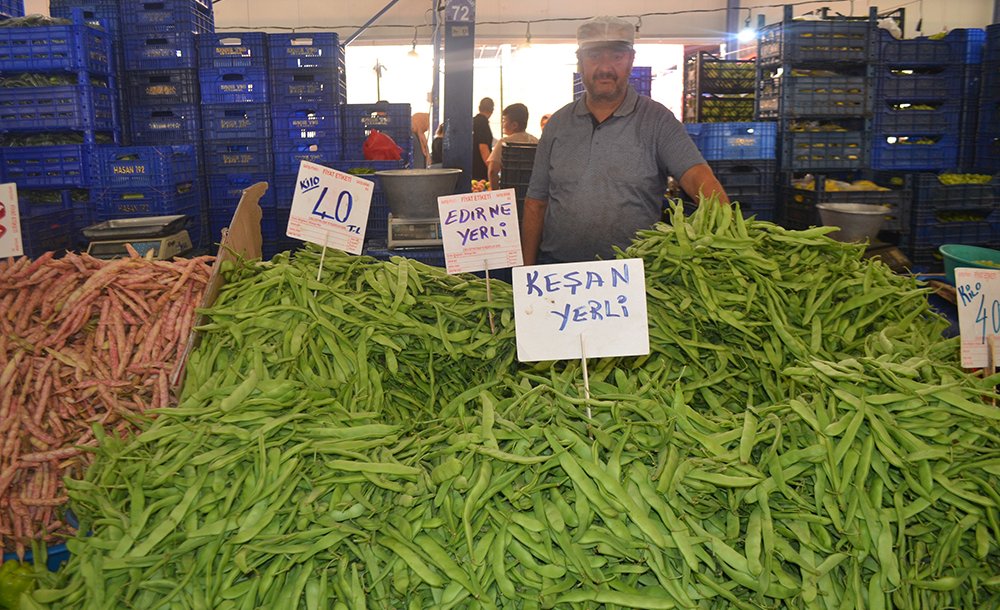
x=10 y=222
x=603 y=301
x=479 y=230
x=978 y=313
x=330 y=208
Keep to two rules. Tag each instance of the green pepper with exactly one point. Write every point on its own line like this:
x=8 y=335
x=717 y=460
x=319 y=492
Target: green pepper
x=15 y=579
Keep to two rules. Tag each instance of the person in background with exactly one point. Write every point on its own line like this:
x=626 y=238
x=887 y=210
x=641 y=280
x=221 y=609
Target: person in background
x=482 y=139
x=437 y=146
x=545 y=119
x=420 y=124
x=602 y=162
x=513 y=121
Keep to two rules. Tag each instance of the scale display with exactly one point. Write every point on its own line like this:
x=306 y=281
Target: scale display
x=413 y=233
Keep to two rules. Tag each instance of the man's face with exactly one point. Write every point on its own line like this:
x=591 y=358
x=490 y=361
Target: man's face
x=606 y=71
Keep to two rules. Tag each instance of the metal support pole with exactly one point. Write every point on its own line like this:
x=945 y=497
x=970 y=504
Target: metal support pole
x=374 y=18
x=732 y=24
x=436 y=78
x=459 y=53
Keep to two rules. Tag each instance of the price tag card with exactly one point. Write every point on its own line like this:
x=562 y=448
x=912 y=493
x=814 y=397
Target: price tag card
x=480 y=230
x=602 y=301
x=978 y=292
x=10 y=222
x=330 y=208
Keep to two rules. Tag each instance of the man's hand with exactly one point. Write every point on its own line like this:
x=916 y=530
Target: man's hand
x=699 y=182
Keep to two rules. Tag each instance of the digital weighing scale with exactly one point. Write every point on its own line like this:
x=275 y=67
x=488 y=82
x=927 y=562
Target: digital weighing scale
x=413 y=232
x=156 y=237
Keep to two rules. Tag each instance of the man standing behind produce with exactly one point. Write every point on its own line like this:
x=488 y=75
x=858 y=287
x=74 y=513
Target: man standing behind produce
x=482 y=139
x=602 y=163
x=514 y=121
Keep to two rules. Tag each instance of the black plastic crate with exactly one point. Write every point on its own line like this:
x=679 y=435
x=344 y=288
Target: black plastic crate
x=712 y=108
x=518 y=161
x=801 y=93
x=305 y=121
x=957 y=47
x=746 y=178
x=163 y=87
x=898 y=199
x=827 y=40
x=160 y=167
x=760 y=207
x=166 y=124
x=47 y=230
x=234 y=85
x=934 y=235
x=236 y=121
x=930 y=194
x=917 y=116
x=927 y=83
x=305 y=50
x=918 y=151
x=73 y=107
x=809 y=147
x=706 y=72
x=316 y=85
x=991 y=52
x=239 y=157
x=233 y=50
x=51 y=48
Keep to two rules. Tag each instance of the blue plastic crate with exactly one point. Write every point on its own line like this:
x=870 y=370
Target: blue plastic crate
x=921 y=83
x=988 y=151
x=746 y=178
x=959 y=46
x=734 y=141
x=933 y=235
x=30 y=200
x=104 y=12
x=12 y=8
x=991 y=51
x=830 y=40
x=67 y=165
x=72 y=107
x=306 y=121
x=824 y=150
x=906 y=152
x=239 y=157
x=236 y=121
x=167 y=49
x=305 y=50
x=191 y=15
x=225 y=190
x=284 y=188
x=234 y=85
x=132 y=203
x=927 y=116
x=288 y=155
x=47 y=230
x=316 y=85
x=358 y=121
x=162 y=124
x=72 y=47
x=429 y=256
x=161 y=167
x=790 y=95
x=162 y=87
x=233 y=50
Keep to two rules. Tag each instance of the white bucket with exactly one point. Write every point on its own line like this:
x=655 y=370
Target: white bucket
x=857 y=221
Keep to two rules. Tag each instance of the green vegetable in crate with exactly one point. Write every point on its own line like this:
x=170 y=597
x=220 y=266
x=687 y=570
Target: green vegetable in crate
x=952 y=179
x=15 y=578
x=32 y=21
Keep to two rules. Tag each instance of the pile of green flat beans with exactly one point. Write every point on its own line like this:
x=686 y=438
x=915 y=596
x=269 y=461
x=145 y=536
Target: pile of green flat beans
x=800 y=436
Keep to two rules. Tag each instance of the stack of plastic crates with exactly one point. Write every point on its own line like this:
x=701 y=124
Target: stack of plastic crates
x=988 y=136
x=308 y=85
x=815 y=80
x=139 y=181
x=236 y=118
x=641 y=78
x=742 y=155
x=718 y=90
x=946 y=208
x=518 y=160
x=57 y=103
x=926 y=99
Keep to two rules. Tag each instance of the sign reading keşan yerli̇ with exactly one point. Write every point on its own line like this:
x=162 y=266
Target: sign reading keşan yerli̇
x=580 y=310
x=978 y=292
x=330 y=208
x=480 y=231
x=10 y=222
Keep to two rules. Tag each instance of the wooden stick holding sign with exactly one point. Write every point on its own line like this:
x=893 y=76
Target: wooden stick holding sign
x=586 y=377
x=322 y=259
x=330 y=208
x=479 y=232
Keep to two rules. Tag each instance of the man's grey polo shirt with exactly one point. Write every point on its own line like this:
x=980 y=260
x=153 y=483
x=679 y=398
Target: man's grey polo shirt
x=603 y=182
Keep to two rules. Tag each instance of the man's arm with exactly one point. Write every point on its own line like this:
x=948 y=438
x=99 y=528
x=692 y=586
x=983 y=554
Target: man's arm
x=484 y=151
x=700 y=182
x=531 y=228
x=493 y=169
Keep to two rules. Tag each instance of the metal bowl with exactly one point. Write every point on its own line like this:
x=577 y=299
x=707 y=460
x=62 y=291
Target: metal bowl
x=857 y=221
x=413 y=193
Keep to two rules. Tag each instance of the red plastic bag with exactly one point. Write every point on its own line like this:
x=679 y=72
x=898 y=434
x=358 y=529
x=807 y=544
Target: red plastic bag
x=380 y=147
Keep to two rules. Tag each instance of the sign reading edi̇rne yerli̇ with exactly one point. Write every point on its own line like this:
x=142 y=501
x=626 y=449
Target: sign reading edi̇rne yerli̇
x=480 y=231
x=574 y=310
x=330 y=208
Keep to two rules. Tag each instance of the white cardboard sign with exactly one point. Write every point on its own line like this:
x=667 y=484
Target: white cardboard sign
x=10 y=222
x=978 y=292
x=480 y=231
x=330 y=208
x=568 y=311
